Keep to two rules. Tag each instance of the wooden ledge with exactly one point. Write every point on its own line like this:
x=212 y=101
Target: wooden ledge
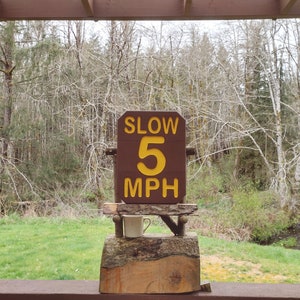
x=149 y=209
x=88 y=290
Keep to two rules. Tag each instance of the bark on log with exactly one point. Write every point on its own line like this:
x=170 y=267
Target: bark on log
x=152 y=264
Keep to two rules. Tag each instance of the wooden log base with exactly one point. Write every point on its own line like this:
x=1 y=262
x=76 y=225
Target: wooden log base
x=152 y=264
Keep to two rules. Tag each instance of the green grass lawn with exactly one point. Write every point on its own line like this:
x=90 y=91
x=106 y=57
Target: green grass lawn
x=49 y=248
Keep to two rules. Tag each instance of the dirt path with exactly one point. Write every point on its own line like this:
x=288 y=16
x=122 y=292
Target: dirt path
x=216 y=268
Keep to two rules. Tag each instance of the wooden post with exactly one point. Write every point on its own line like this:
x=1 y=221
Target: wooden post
x=116 y=218
x=118 y=225
x=182 y=220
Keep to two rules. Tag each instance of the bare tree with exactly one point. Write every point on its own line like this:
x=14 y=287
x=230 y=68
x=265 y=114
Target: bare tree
x=6 y=68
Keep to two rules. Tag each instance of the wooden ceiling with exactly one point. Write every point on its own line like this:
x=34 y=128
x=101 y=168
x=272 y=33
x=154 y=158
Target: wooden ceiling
x=147 y=9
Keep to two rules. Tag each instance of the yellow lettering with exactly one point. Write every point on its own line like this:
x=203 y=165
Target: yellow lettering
x=145 y=151
x=130 y=190
x=151 y=184
x=139 y=125
x=170 y=124
x=129 y=122
x=154 y=129
x=166 y=187
x=154 y=126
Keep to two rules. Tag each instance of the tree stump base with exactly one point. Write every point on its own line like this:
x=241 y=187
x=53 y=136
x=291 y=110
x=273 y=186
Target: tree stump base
x=152 y=264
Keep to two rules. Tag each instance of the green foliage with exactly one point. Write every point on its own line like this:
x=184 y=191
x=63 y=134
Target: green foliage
x=235 y=208
x=289 y=242
x=259 y=212
x=58 y=168
x=251 y=169
x=246 y=215
x=205 y=184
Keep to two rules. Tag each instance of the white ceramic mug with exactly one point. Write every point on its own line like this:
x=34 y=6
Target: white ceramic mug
x=134 y=225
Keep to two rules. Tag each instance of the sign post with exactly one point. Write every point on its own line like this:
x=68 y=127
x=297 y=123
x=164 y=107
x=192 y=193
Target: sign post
x=150 y=179
x=151 y=164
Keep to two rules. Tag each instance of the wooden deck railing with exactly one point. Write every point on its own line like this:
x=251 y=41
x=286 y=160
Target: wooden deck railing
x=88 y=290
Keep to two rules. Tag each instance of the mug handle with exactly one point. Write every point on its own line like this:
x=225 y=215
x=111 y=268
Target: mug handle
x=149 y=223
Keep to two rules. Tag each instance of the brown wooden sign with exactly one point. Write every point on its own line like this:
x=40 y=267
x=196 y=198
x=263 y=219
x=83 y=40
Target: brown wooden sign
x=151 y=164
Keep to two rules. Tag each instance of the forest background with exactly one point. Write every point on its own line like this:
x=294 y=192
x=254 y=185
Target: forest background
x=65 y=84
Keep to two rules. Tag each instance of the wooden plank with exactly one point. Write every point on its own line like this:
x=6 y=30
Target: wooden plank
x=147 y=10
x=89 y=290
x=148 y=209
x=41 y=10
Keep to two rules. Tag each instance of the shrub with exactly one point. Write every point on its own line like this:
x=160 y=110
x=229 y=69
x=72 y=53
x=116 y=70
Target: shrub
x=254 y=211
x=289 y=242
x=203 y=185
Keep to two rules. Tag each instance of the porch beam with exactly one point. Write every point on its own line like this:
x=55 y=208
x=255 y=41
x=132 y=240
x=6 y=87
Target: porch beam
x=89 y=7
x=187 y=6
x=286 y=6
x=147 y=9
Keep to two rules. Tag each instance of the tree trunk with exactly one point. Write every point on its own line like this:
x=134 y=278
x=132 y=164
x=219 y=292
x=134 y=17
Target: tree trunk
x=275 y=92
x=281 y=174
x=6 y=67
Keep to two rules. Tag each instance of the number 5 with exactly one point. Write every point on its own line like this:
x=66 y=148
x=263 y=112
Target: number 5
x=144 y=152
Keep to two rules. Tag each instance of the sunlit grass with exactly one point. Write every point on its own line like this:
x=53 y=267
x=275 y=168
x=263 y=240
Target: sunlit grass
x=52 y=248
x=49 y=248
x=248 y=262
